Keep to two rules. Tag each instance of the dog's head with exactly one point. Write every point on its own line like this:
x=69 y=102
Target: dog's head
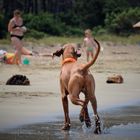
x=68 y=51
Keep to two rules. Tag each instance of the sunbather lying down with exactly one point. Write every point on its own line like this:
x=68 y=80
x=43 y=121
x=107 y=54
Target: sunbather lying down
x=10 y=58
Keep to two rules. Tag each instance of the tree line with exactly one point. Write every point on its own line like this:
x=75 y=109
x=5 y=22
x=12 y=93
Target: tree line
x=71 y=17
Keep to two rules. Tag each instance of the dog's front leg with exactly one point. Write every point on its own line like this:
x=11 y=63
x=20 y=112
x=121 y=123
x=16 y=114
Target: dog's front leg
x=66 y=113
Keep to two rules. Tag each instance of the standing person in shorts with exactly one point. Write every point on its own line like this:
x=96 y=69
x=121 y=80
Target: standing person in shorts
x=89 y=44
x=17 y=30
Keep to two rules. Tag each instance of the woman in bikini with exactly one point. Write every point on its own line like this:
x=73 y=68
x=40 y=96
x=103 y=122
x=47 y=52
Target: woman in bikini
x=89 y=44
x=17 y=30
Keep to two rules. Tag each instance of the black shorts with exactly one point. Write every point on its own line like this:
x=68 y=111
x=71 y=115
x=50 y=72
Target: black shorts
x=17 y=36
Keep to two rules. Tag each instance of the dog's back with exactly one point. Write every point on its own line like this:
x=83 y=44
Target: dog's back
x=71 y=70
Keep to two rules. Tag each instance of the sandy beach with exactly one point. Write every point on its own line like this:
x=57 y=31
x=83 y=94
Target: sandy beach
x=35 y=112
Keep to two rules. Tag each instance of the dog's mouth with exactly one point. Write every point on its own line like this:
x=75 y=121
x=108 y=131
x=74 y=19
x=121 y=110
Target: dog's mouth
x=78 y=53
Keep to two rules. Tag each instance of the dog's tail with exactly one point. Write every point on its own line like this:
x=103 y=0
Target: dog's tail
x=86 y=66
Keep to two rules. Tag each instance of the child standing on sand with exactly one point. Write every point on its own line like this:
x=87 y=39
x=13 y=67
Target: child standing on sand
x=89 y=44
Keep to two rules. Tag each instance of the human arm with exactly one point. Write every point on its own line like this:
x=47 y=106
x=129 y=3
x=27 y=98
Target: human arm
x=12 y=27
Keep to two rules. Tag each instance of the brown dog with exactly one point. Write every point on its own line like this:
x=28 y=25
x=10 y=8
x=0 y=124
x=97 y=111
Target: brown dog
x=74 y=79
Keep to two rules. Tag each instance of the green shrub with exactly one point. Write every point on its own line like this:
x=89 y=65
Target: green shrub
x=73 y=31
x=99 y=30
x=35 y=34
x=3 y=30
x=45 y=22
x=121 y=23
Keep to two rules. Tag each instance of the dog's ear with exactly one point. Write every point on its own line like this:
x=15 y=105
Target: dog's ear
x=58 y=52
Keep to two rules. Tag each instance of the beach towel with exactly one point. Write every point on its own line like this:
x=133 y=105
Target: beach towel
x=10 y=58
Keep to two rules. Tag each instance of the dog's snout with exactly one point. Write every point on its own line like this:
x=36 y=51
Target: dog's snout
x=78 y=52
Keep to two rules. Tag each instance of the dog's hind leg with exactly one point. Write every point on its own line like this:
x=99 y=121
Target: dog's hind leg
x=76 y=101
x=84 y=115
x=74 y=91
x=74 y=97
x=92 y=98
x=97 y=119
x=97 y=125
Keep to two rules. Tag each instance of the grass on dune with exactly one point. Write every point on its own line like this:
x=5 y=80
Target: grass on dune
x=52 y=40
x=133 y=39
x=56 y=40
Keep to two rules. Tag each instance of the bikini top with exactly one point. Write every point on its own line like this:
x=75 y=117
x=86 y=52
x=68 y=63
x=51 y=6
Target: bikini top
x=18 y=25
x=15 y=25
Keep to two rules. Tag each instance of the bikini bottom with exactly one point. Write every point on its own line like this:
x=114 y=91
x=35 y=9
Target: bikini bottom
x=17 y=36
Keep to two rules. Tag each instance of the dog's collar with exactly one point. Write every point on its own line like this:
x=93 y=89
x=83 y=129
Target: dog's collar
x=67 y=60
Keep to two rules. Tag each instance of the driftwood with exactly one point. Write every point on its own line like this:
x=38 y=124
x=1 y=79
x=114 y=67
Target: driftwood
x=18 y=80
x=115 y=79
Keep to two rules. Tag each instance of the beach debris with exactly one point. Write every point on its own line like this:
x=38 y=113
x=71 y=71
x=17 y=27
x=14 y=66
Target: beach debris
x=120 y=52
x=18 y=80
x=115 y=79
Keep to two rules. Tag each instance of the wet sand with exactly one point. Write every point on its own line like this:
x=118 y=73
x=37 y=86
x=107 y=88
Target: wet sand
x=117 y=124
x=35 y=111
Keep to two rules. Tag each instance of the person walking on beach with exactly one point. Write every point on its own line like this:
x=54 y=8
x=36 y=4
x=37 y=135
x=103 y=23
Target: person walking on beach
x=89 y=44
x=17 y=30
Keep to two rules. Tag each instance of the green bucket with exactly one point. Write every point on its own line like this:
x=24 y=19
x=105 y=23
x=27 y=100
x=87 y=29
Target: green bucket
x=26 y=61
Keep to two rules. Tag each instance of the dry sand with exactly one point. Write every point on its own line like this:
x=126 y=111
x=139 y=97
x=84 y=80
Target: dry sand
x=35 y=111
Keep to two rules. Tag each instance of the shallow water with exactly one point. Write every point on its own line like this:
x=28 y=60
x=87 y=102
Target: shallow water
x=118 y=123
x=52 y=131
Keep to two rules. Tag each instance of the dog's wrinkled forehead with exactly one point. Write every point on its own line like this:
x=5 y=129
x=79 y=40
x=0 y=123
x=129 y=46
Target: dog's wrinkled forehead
x=69 y=47
x=72 y=49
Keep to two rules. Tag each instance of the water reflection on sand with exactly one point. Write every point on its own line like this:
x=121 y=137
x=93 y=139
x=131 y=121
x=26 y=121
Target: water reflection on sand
x=118 y=123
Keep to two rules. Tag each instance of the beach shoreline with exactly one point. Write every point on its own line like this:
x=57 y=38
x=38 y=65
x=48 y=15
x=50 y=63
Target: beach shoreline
x=117 y=124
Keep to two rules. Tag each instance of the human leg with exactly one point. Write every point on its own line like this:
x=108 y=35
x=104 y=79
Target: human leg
x=17 y=44
x=25 y=51
x=87 y=54
x=92 y=54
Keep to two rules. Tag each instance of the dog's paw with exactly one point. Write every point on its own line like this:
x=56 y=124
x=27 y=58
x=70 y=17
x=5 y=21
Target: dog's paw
x=81 y=118
x=66 y=127
x=98 y=128
x=88 y=123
